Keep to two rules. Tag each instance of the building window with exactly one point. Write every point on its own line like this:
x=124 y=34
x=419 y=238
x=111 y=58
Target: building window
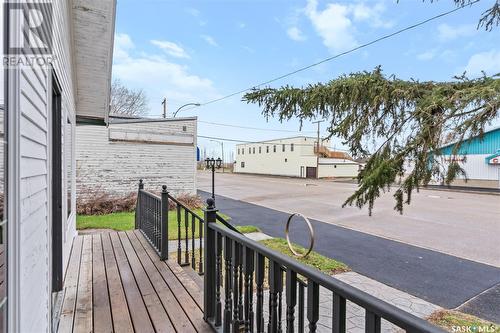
x=238 y=151
x=242 y=151
x=283 y=148
x=184 y=128
x=242 y=164
x=267 y=149
x=291 y=147
x=286 y=160
x=260 y=150
x=249 y=150
x=253 y=150
x=274 y=148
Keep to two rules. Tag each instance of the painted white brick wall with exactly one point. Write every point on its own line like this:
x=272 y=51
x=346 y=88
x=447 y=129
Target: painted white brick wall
x=115 y=167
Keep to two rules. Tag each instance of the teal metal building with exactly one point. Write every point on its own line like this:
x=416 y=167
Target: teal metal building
x=479 y=157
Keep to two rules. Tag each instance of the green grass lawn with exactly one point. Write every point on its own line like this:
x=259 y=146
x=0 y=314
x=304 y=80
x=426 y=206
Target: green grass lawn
x=314 y=259
x=448 y=319
x=125 y=221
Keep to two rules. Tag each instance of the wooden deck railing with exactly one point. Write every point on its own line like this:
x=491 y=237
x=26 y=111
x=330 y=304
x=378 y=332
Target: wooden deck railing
x=232 y=261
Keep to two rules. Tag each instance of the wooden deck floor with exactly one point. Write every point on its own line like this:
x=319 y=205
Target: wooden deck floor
x=116 y=283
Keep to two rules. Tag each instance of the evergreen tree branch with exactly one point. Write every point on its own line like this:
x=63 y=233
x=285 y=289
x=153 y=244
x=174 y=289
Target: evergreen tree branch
x=409 y=118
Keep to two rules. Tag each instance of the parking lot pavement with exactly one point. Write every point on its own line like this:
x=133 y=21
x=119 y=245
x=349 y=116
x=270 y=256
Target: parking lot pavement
x=464 y=225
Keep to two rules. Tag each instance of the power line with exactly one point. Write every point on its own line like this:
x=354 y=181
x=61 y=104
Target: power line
x=379 y=39
x=252 y=128
x=260 y=142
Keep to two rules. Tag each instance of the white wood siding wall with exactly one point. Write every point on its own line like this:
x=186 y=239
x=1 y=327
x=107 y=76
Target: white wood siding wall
x=31 y=300
x=115 y=167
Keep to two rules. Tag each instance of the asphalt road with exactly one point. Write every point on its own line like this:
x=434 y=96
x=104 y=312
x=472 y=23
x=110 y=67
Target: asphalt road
x=464 y=225
x=442 y=279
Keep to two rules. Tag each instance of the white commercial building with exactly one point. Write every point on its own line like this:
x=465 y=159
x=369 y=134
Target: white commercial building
x=294 y=157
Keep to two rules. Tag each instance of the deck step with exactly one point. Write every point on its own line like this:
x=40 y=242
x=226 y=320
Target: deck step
x=193 y=274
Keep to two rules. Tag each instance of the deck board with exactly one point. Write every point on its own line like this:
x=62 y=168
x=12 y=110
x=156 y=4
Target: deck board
x=156 y=310
x=119 y=308
x=115 y=282
x=190 y=307
x=101 y=308
x=174 y=309
x=83 y=315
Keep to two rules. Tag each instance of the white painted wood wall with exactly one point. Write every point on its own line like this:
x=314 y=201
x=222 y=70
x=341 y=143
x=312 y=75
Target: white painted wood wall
x=159 y=152
x=29 y=262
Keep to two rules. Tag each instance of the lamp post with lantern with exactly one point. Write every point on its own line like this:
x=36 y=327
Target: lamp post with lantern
x=212 y=164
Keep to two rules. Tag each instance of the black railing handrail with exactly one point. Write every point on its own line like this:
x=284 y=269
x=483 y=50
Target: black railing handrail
x=184 y=207
x=152 y=195
x=379 y=307
x=227 y=224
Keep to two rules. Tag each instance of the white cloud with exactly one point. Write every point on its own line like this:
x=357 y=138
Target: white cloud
x=248 y=49
x=373 y=15
x=123 y=43
x=295 y=34
x=171 y=48
x=335 y=23
x=193 y=11
x=447 y=32
x=159 y=77
x=332 y=24
x=209 y=39
x=242 y=25
x=488 y=62
x=427 y=55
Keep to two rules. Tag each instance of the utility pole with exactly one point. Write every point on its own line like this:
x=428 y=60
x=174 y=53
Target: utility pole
x=317 y=149
x=164 y=103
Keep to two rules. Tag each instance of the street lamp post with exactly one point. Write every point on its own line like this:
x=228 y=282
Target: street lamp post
x=212 y=164
x=188 y=104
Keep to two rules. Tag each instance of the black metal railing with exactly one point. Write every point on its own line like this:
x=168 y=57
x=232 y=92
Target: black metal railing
x=232 y=261
x=151 y=216
x=189 y=236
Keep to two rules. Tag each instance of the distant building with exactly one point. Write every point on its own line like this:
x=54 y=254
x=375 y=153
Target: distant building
x=479 y=157
x=160 y=151
x=293 y=157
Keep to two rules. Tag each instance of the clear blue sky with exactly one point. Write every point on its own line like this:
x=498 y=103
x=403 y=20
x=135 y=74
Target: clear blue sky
x=195 y=51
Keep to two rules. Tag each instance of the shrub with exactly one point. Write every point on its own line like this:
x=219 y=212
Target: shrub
x=100 y=203
x=191 y=201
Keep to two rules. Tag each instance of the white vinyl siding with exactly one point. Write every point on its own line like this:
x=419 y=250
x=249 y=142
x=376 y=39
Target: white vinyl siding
x=34 y=233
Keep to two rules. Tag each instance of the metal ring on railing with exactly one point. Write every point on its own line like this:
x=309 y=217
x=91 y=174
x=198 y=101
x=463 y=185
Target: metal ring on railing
x=311 y=235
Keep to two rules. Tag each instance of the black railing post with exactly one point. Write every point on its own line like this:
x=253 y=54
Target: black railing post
x=209 y=279
x=138 y=205
x=164 y=224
